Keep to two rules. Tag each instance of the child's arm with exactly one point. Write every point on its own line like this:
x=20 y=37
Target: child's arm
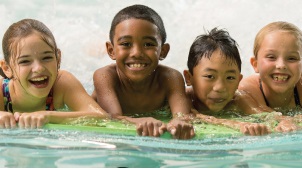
x=7 y=119
x=105 y=79
x=179 y=104
x=246 y=128
x=67 y=90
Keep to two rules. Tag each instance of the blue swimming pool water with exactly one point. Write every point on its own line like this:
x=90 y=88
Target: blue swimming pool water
x=81 y=29
x=53 y=148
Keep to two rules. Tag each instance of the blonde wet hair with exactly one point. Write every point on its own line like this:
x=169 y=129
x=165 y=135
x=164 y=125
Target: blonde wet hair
x=276 y=26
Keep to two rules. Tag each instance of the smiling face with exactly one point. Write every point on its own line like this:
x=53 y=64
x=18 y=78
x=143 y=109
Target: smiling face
x=214 y=81
x=137 y=48
x=35 y=68
x=279 y=61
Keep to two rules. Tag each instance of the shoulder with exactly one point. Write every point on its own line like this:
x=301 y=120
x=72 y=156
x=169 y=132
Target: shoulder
x=249 y=82
x=107 y=72
x=109 y=69
x=65 y=79
x=168 y=72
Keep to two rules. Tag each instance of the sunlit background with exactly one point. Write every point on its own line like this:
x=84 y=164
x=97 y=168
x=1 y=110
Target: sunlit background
x=81 y=27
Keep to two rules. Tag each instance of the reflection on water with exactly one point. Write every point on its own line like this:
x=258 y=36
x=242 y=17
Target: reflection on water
x=53 y=148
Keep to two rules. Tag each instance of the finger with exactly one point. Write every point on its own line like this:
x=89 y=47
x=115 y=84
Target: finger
x=40 y=123
x=12 y=122
x=177 y=132
x=33 y=123
x=264 y=130
x=7 y=123
x=257 y=130
x=150 y=128
x=156 y=129
x=192 y=133
x=26 y=121
x=21 y=122
x=139 y=129
x=252 y=130
x=145 y=130
x=162 y=129
x=17 y=116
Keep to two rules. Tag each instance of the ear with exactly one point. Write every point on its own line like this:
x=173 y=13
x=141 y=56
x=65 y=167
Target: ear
x=240 y=77
x=254 y=63
x=6 y=69
x=59 y=54
x=164 y=51
x=187 y=76
x=110 y=50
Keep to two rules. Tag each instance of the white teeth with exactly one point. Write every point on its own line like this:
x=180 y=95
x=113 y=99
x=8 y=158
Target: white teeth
x=39 y=78
x=137 y=65
x=280 y=78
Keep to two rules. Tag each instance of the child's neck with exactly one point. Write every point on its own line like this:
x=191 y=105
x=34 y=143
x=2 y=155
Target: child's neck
x=280 y=100
x=24 y=102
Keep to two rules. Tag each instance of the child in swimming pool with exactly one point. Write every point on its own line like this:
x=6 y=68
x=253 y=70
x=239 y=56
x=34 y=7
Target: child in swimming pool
x=214 y=73
x=137 y=83
x=277 y=62
x=33 y=87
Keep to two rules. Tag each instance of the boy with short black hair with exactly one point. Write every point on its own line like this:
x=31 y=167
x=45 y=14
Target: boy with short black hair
x=137 y=83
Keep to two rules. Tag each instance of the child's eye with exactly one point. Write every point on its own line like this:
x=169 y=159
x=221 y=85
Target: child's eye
x=149 y=44
x=271 y=57
x=23 y=62
x=231 y=77
x=293 y=58
x=125 y=44
x=48 y=58
x=209 y=76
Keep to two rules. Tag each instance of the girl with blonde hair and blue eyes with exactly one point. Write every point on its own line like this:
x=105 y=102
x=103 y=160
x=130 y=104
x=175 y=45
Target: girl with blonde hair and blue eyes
x=33 y=87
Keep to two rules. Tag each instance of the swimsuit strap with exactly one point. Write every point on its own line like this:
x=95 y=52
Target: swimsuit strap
x=261 y=89
x=8 y=102
x=296 y=95
x=49 y=101
x=297 y=98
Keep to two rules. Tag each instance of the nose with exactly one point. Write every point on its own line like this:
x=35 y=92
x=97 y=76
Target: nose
x=37 y=67
x=219 y=86
x=136 y=51
x=280 y=64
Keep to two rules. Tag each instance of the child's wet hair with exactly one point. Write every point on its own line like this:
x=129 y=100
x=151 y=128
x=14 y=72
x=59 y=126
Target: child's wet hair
x=138 y=12
x=276 y=26
x=20 y=30
x=205 y=44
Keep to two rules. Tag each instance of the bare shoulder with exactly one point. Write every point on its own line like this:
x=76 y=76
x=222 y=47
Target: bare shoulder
x=168 y=73
x=249 y=83
x=66 y=81
x=105 y=73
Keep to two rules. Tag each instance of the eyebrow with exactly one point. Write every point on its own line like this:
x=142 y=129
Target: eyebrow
x=144 y=37
x=214 y=70
x=45 y=52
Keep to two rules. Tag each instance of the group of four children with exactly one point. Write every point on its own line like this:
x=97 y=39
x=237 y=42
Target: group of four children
x=35 y=90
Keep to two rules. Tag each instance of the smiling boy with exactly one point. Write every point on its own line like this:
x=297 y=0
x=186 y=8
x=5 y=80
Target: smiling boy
x=137 y=83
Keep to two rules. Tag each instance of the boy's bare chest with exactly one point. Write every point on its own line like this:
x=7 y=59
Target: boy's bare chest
x=142 y=102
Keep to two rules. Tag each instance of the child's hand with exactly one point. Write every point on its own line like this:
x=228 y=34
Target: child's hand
x=149 y=127
x=180 y=129
x=254 y=129
x=31 y=120
x=7 y=120
x=287 y=125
